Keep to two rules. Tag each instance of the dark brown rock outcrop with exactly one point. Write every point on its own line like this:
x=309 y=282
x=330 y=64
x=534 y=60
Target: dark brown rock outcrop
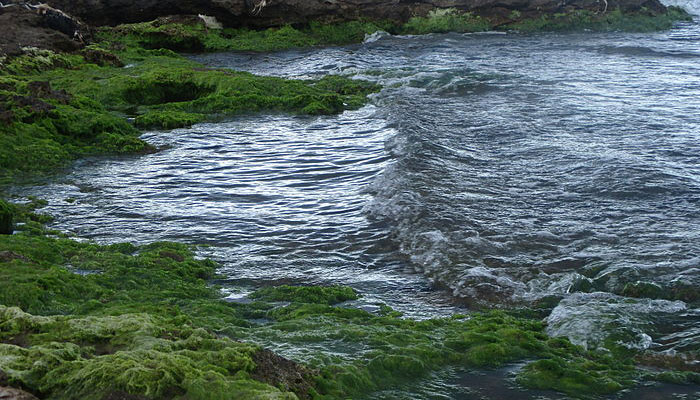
x=27 y=26
x=267 y=13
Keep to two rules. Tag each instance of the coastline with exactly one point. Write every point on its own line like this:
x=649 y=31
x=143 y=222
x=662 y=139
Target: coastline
x=143 y=322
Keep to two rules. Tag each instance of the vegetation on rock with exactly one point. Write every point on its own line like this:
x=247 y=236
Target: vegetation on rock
x=55 y=107
x=82 y=321
x=613 y=20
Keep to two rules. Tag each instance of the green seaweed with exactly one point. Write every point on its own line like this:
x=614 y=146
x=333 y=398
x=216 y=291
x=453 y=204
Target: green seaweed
x=446 y=20
x=80 y=109
x=328 y=295
x=167 y=119
x=613 y=20
x=81 y=320
x=88 y=358
x=192 y=35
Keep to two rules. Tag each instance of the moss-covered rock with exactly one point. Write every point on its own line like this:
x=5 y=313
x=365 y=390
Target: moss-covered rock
x=446 y=20
x=84 y=98
x=80 y=320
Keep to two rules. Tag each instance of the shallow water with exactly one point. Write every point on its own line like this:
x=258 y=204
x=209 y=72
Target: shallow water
x=493 y=169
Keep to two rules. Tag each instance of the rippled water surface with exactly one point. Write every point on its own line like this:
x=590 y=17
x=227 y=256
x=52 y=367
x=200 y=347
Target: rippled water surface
x=494 y=169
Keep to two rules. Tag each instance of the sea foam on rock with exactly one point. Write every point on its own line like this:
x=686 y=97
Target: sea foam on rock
x=600 y=319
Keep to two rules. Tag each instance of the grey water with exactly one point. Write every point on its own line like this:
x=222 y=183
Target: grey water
x=491 y=170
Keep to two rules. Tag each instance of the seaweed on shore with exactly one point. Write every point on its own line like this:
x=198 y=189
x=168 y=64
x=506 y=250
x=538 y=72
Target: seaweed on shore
x=613 y=20
x=191 y=35
x=55 y=108
x=81 y=320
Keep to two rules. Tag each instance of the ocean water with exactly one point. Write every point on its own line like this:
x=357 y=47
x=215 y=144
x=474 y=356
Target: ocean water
x=493 y=170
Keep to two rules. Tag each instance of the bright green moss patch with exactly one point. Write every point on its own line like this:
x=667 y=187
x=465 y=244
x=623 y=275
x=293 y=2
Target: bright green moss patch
x=577 y=377
x=92 y=357
x=613 y=20
x=328 y=295
x=447 y=20
x=36 y=60
x=121 y=318
x=56 y=108
x=43 y=128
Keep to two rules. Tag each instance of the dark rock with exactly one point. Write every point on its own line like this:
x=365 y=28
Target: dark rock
x=36 y=106
x=23 y=27
x=42 y=89
x=8 y=393
x=101 y=57
x=6 y=215
x=7 y=256
x=252 y=13
x=283 y=373
x=6 y=116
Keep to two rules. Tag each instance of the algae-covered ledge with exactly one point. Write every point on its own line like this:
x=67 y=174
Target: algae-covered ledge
x=80 y=320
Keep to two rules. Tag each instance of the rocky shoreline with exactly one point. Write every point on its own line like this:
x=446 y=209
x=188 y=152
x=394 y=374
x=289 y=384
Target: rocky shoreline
x=85 y=321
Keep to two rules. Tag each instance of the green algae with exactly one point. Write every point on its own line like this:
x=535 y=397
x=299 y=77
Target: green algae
x=613 y=20
x=119 y=318
x=447 y=20
x=327 y=295
x=167 y=119
x=81 y=320
x=193 y=36
x=383 y=351
x=81 y=110
x=44 y=128
x=88 y=358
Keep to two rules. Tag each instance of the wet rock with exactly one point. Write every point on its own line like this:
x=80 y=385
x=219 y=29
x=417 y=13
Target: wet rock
x=42 y=89
x=6 y=116
x=36 y=107
x=7 y=256
x=101 y=57
x=283 y=373
x=8 y=393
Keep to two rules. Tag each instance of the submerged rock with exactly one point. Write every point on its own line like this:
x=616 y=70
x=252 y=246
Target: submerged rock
x=597 y=320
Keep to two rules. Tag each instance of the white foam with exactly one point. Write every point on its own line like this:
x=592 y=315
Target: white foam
x=691 y=6
x=587 y=319
x=378 y=35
